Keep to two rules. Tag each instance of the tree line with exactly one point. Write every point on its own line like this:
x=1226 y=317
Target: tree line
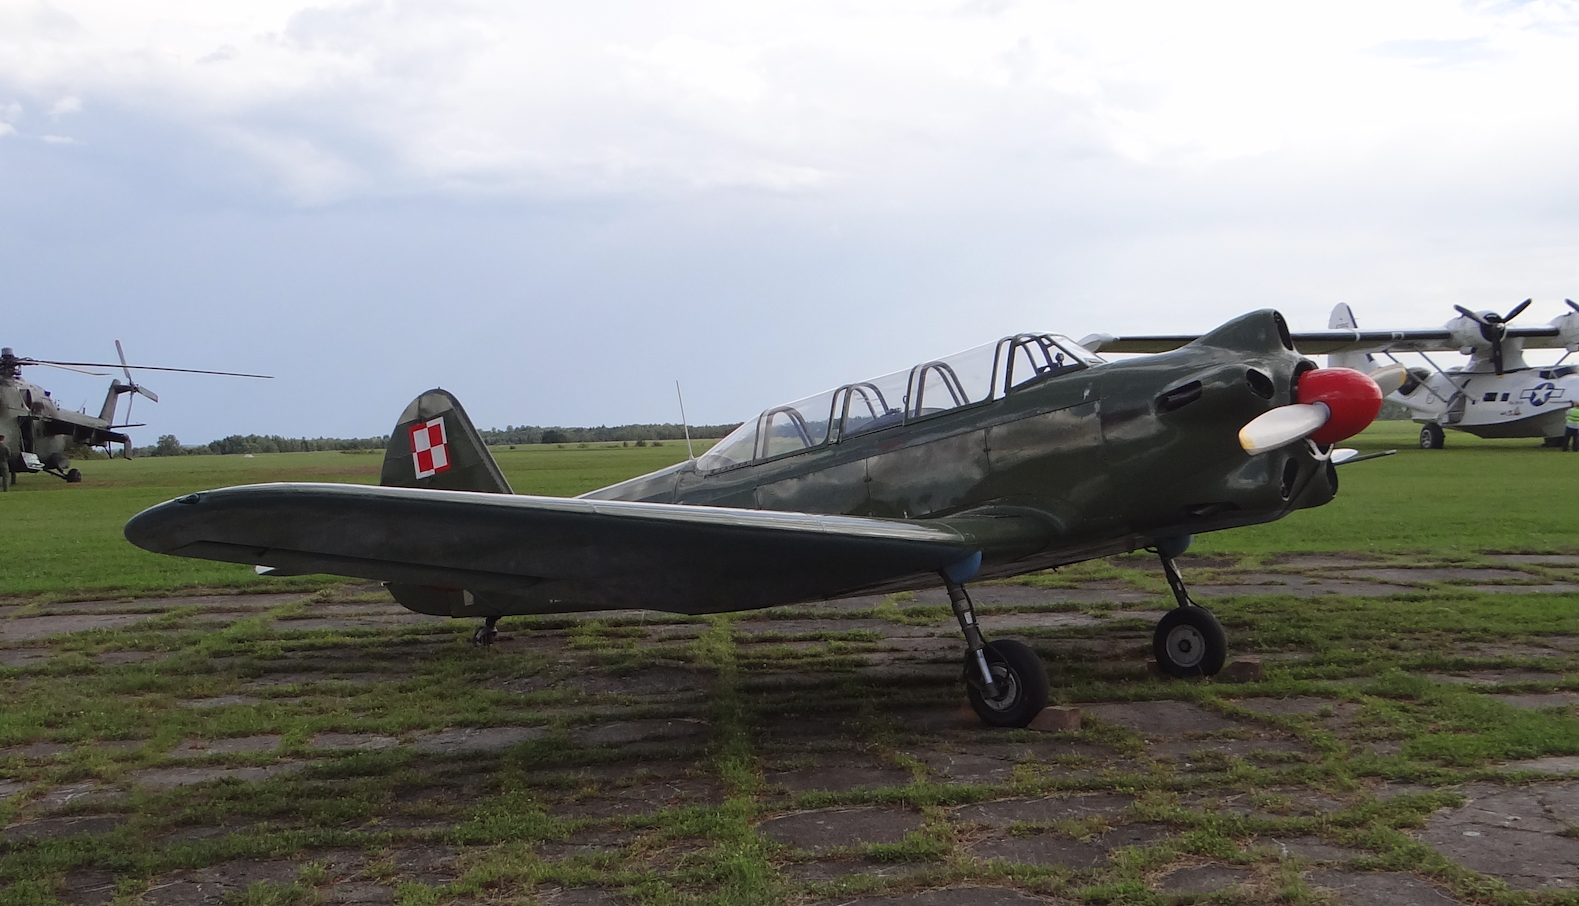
x=169 y=445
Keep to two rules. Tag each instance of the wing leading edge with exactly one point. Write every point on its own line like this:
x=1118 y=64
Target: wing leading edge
x=524 y=554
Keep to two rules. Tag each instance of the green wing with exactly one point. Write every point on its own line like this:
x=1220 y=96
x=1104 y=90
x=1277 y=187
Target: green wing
x=523 y=554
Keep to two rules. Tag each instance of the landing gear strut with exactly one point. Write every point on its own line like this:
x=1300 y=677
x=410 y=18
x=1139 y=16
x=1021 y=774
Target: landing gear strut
x=487 y=633
x=1005 y=681
x=1189 y=641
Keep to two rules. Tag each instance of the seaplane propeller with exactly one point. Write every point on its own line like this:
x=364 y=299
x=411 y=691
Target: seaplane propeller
x=1493 y=327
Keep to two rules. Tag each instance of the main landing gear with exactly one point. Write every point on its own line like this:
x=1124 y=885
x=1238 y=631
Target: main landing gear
x=1431 y=437
x=1004 y=680
x=1189 y=641
x=487 y=633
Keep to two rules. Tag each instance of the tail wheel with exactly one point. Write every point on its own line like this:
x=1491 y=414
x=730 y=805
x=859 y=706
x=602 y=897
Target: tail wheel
x=74 y=476
x=1432 y=438
x=1021 y=681
x=1190 y=642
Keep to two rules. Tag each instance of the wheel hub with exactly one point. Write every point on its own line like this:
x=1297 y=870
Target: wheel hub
x=1008 y=686
x=1186 y=646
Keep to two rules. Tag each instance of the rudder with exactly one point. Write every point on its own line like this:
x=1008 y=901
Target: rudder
x=434 y=445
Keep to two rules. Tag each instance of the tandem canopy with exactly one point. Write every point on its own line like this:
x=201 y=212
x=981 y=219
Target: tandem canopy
x=967 y=378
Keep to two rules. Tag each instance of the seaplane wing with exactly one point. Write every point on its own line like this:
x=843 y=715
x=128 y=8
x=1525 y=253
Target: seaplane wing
x=1328 y=342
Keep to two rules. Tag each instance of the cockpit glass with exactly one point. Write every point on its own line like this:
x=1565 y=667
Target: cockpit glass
x=737 y=447
x=959 y=380
x=873 y=404
x=963 y=379
x=1033 y=356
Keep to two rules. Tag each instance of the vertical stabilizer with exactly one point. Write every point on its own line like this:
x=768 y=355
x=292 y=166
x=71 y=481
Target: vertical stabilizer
x=434 y=445
x=1343 y=319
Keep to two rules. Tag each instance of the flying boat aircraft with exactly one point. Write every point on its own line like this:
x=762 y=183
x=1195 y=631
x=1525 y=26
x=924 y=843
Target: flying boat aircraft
x=1024 y=454
x=1495 y=394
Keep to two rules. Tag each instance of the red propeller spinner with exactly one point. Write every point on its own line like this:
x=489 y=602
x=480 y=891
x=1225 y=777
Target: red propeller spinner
x=1333 y=404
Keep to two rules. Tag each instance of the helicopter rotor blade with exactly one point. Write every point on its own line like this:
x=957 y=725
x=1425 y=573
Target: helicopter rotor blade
x=151 y=368
x=61 y=367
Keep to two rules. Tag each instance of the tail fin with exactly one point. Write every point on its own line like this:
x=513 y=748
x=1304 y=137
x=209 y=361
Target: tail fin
x=1343 y=319
x=434 y=445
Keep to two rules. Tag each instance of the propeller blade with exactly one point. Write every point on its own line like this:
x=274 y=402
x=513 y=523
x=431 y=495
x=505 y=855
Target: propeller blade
x=1344 y=456
x=1471 y=315
x=146 y=392
x=1572 y=304
x=1390 y=378
x=1282 y=426
x=1516 y=309
x=121 y=354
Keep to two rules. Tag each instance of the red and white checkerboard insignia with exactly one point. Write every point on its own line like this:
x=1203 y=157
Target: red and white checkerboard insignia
x=430 y=451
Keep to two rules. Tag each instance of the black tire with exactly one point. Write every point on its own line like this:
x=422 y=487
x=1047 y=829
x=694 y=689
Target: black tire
x=1189 y=642
x=1432 y=438
x=74 y=476
x=1021 y=679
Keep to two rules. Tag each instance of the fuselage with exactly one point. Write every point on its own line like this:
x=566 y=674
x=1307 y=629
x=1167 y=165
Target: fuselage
x=24 y=410
x=1528 y=402
x=1110 y=456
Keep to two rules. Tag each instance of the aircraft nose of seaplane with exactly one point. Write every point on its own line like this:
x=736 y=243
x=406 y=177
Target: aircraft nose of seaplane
x=1332 y=404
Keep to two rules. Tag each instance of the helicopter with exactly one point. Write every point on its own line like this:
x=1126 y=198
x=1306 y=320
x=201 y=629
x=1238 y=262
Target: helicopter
x=1495 y=394
x=39 y=432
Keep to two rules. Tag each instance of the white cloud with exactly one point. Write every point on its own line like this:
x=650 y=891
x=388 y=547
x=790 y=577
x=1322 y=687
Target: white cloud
x=795 y=97
x=64 y=106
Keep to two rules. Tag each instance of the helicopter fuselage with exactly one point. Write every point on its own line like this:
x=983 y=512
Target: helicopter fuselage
x=39 y=433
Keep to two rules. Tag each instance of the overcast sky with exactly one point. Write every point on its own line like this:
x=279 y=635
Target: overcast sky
x=556 y=210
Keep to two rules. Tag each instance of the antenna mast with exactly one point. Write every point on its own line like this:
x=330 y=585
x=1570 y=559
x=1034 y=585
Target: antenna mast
x=688 y=451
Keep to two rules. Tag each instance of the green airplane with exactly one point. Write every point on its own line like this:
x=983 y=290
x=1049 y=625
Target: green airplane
x=1020 y=455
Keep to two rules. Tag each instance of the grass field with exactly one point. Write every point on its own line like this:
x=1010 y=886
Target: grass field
x=323 y=747
x=1474 y=496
